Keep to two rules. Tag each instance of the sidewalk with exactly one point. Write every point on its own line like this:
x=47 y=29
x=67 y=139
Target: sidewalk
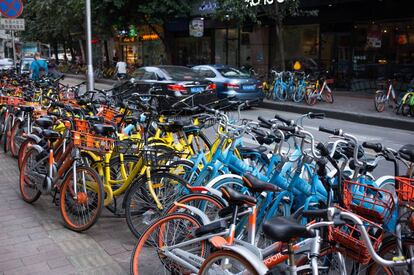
x=349 y=106
x=33 y=239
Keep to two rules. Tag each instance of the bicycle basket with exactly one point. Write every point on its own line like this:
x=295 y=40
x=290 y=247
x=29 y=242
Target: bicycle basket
x=81 y=125
x=108 y=113
x=11 y=100
x=405 y=190
x=89 y=142
x=349 y=241
x=128 y=146
x=373 y=203
x=159 y=157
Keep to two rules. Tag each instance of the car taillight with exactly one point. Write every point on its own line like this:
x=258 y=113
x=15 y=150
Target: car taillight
x=177 y=88
x=231 y=86
x=212 y=86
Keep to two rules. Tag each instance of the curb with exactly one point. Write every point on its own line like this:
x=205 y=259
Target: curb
x=347 y=116
x=82 y=77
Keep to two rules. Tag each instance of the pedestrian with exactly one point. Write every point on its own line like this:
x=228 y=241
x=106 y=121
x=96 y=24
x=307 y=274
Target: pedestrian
x=248 y=65
x=162 y=61
x=38 y=68
x=121 y=69
x=53 y=69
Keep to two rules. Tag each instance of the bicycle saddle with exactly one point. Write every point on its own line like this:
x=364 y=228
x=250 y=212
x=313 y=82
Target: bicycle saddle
x=407 y=152
x=256 y=185
x=284 y=229
x=234 y=197
x=44 y=122
x=50 y=134
x=26 y=108
x=256 y=149
x=94 y=119
x=104 y=129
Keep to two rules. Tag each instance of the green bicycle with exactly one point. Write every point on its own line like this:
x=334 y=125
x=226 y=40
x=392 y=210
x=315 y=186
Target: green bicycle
x=405 y=105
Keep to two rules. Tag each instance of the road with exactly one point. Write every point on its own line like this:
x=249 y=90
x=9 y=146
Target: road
x=392 y=138
x=34 y=241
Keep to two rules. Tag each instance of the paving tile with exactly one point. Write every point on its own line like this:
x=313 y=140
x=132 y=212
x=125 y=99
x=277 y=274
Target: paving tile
x=43 y=257
x=57 y=263
x=9 y=265
x=38 y=268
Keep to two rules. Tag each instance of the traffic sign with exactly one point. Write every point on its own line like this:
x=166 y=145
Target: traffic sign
x=9 y=24
x=11 y=8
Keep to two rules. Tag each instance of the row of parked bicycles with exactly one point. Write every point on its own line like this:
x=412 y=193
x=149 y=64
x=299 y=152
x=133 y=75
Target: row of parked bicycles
x=298 y=86
x=402 y=104
x=202 y=205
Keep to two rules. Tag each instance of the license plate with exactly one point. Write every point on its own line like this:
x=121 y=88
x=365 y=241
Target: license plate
x=197 y=89
x=249 y=87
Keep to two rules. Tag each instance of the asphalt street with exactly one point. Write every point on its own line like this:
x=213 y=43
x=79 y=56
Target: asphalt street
x=392 y=138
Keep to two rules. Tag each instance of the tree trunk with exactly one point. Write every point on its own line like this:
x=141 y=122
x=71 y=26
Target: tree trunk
x=64 y=51
x=82 y=49
x=106 y=52
x=72 y=51
x=55 y=51
x=279 y=34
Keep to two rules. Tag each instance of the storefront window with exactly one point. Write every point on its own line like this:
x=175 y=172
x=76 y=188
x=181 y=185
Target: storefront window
x=193 y=51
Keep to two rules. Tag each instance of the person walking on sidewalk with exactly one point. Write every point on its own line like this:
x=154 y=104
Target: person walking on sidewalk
x=121 y=69
x=38 y=68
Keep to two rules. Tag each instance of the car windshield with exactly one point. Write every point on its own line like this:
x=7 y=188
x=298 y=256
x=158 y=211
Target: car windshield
x=232 y=72
x=180 y=73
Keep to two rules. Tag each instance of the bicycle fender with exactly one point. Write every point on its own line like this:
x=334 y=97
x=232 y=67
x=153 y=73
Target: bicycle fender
x=204 y=218
x=383 y=179
x=37 y=148
x=249 y=256
x=211 y=183
x=34 y=137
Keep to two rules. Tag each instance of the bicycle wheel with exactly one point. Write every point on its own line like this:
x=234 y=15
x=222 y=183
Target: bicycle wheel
x=226 y=262
x=327 y=97
x=81 y=209
x=379 y=101
x=16 y=138
x=140 y=207
x=24 y=148
x=281 y=94
x=329 y=262
x=7 y=133
x=389 y=250
x=405 y=107
x=310 y=97
x=208 y=204
x=27 y=181
x=185 y=169
x=148 y=257
x=115 y=168
x=299 y=94
x=2 y=123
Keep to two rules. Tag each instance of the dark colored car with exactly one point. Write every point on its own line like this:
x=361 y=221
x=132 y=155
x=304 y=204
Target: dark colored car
x=176 y=81
x=232 y=82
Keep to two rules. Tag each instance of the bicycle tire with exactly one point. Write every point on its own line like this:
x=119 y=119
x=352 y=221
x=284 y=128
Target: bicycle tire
x=299 y=94
x=183 y=168
x=16 y=137
x=139 y=201
x=24 y=149
x=6 y=136
x=389 y=245
x=2 y=123
x=281 y=94
x=327 y=97
x=150 y=239
x=245 y=266
x=310 y=99
x=406 y=108
x=33 y=196
x=379 y=102
x=71 y=208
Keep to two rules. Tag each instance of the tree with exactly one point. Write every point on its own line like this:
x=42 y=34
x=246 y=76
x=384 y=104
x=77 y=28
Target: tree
x=159 y=12
x=253 y=10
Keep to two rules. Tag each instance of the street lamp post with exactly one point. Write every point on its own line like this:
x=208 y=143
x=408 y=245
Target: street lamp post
x=90 y=80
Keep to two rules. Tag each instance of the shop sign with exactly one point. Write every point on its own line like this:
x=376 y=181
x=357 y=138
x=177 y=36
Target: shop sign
x=254 y=3
x=196 y=27
x=374 y=39
x=128 y=39
x=149 y=37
